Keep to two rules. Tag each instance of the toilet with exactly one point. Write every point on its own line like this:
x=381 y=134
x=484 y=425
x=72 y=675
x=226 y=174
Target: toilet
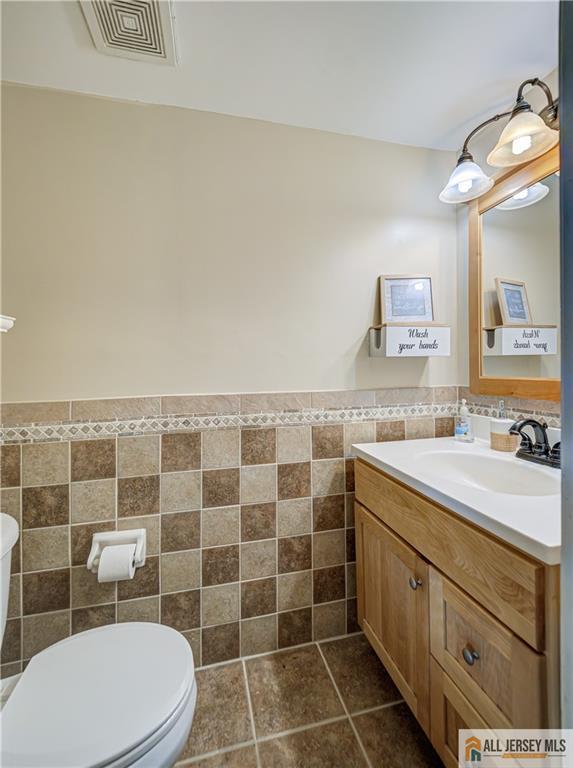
x=115 y=696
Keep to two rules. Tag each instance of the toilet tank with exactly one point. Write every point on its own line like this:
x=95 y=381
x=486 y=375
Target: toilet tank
x=8 y=537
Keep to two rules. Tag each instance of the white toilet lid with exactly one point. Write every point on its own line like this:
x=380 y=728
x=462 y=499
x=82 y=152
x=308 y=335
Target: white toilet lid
x=95 y=696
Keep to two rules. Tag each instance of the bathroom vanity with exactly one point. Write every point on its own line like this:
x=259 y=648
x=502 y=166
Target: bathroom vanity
x=457 y=582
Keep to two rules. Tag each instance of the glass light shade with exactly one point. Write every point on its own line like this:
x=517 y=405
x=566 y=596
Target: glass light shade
x=529 y=196
x=466 y=182
x=525 y=137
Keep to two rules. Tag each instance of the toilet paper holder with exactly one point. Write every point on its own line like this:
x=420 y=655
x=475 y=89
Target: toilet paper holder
x=135 y=536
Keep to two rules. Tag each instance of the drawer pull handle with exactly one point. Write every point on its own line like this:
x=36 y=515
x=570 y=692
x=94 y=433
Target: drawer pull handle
x=414 y=583
x=470 y=657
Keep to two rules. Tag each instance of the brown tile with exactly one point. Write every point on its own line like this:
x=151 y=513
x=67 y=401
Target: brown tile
x=405 y=396
x=14 y=597
x=329 y=584
x=34 y=413
x=258 y=597
x=45 y=463
x=220 y=525
x=294 y=627
x=181 y=570
x=328 y=512
x=345 y=398
x=350 y=579
x=258 y=446
x=319 y=747
x=81 y=540
x=87 y=590
x=46 y=591
x=222 y=712
x=193 y=637
x=350 y=545
x=144 y=609
x=244 y=757
x=93 y=459
x=258 y=559
x=358 y=432
x=10 y=669
x=220 y=643
x=95 y=616
x=258 y=521
x=221 y=448
x=220 y=605
x=294 y=590
x=220 y=565
x=444 y=426
x=328 y=548
x=151 y=525
x=43 y=630
x=45 y=548
x=294 y=480
x=327 y=441
x=274 y=401
x=200 y=404
x=329 y=620
x=180 y=491
x=93 y=500
x=181 y=610
x=115 y=408
x=221 y=487
x=11 y=642
x=445 y=394
x=9 y=466
x=293 y=444
x=289 y=690
x=328 y=477
x=294 y=554
x=259 y=635
x=349 y=475
x=10 y=503
x=144 y=583
x=390 y=431
x=181 y=530
x=45 y=506
x=420 y=428
x=138 y=496
x=180 y=451
x=362 y=681
x=138 y=456
x=352 y=616
x=349 y=502
x=382 y=730
x=294 y=517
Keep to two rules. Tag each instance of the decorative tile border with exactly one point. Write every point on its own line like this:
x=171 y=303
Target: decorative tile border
x=480 y=409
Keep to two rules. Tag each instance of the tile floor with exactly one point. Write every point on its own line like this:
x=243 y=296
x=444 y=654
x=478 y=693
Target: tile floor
x=320 y=705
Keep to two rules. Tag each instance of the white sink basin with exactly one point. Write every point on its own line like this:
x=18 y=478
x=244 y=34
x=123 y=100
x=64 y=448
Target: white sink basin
x=489 y=473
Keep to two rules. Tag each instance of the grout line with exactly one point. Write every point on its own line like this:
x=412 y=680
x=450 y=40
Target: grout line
x=354 y=729
x=251 y=715
x=215 y=753
x=301 y=729
x=375 y=709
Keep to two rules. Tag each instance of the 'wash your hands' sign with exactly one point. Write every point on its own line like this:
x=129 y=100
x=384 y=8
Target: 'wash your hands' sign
x=417 y=341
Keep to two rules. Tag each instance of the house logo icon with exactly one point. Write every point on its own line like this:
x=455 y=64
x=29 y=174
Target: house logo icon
x=473 y=750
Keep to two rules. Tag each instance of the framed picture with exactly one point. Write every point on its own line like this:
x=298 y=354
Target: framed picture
x=513 y=303
x=406 y=299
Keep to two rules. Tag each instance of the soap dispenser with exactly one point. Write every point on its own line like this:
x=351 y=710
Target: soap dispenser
x=463 y=429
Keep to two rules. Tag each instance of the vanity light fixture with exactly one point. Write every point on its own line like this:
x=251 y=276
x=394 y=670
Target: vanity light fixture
x=525 y=197
x=6 y=323
x=525 y=137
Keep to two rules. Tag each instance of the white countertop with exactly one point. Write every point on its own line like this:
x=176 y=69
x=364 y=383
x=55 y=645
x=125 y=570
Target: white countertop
x=529 y=522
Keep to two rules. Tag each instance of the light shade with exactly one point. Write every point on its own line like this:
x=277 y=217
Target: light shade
x=529 y=196
x=525 y=137
x=6 y=322
x=466 y=182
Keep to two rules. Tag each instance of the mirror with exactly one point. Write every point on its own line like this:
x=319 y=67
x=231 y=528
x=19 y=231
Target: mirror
x=513 y=283
x=520 y=283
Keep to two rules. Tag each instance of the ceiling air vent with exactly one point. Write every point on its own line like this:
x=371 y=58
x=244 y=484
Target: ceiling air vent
x=134 y=29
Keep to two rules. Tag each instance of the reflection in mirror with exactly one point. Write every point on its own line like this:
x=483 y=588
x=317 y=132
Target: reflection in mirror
x=520 y=280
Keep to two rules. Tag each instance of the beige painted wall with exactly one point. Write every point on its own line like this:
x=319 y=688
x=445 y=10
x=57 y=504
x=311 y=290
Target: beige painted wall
x=153 y=250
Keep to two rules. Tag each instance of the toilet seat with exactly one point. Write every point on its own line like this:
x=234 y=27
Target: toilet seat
x=100 y=698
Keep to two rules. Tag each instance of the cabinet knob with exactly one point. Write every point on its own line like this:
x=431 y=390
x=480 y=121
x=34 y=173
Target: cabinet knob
x=414 y=583
x=470 y=656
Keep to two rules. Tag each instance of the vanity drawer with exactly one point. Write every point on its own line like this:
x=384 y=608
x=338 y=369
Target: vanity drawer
x=501 y=675
x=506 y=582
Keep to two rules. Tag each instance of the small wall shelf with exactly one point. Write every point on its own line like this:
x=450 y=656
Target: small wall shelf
x=505 y=340
x=409 y=340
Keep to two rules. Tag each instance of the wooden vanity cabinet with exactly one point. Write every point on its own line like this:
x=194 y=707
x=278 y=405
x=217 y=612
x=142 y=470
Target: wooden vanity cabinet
x=465 y=624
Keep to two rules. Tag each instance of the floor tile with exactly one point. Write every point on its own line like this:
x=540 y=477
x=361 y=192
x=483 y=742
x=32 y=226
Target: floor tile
x=361 y=679
x=222 y=713
x=290 y=689
x=245 y=757
x=393 y=739
x=320 y=747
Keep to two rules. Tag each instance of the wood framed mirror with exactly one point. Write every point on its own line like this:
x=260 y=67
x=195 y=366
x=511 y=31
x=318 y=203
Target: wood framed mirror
x=510 y=247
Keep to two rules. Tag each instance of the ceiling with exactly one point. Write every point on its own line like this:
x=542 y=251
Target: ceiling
x=419 y=73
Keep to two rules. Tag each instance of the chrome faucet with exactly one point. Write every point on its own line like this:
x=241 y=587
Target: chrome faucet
x=539 y=450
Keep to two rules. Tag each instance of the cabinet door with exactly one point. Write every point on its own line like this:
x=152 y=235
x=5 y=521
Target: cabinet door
x=393 y=608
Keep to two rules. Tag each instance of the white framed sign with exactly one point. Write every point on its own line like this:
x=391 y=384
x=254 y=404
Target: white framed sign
x=406 y=299
x=513 y=303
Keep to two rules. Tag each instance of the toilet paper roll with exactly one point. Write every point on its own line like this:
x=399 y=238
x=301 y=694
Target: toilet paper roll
x=116 y=563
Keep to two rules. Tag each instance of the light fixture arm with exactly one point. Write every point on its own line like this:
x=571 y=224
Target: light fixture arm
x=535 y=81
x=466 y=154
